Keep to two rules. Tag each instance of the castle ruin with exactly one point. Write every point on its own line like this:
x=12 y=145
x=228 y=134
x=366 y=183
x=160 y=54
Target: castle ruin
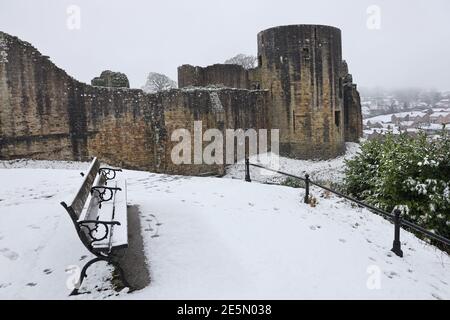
x=300 y=86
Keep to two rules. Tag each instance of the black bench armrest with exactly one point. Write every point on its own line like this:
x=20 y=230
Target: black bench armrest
x=109 y=173
x=100 y=222
x=101 y=192
x=92 y=229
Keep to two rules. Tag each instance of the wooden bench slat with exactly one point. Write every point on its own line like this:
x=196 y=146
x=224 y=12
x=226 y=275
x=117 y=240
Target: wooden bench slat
x=115 y=211
x=91 y=207
x=120 y=233
x=83 y=193
x=105 y=214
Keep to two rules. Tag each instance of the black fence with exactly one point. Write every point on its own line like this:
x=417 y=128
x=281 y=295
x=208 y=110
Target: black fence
x=396 y=217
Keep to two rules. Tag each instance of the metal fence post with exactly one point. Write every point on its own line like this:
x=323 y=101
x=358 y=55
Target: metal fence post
x=247 y=170
x=307 y=188
x=396 y=248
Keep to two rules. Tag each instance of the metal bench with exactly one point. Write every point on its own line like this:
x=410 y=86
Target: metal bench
x=99 y=213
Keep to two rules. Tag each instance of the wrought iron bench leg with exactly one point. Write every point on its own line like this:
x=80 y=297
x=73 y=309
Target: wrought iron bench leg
x=91 y=262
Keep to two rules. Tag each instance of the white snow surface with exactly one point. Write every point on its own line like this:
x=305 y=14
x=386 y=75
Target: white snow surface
x=217 y=239
x=331 y=170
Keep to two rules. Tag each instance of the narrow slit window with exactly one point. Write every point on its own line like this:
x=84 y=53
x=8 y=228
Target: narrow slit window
x=293 y=120
x=337 y=118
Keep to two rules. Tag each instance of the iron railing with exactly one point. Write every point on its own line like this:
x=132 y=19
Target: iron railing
x=396 y=217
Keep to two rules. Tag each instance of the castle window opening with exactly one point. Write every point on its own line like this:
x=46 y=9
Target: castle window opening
x=337 y=118
x=305 y=53
x=293 y=120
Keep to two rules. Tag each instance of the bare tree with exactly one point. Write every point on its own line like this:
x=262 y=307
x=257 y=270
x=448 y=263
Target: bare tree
x=158 y=82
x=247 y=61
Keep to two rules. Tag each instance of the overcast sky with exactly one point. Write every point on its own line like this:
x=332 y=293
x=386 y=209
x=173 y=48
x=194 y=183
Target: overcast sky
x=412 y=48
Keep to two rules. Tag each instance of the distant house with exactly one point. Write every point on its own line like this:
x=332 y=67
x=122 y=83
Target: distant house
x=443 y=103
x=418 y=121
x=371 y=125
x=444 y=119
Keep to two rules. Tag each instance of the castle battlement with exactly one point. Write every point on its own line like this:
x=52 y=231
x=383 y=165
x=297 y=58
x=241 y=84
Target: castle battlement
x=300 y=86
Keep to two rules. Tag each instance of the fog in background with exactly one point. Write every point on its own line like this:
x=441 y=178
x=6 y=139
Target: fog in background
x=412 y=48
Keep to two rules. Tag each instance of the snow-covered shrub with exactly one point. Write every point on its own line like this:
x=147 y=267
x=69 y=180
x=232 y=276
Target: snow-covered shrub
x=293 y=183
x=407 y=171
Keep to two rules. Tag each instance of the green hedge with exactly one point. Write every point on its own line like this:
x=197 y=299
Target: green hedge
x=412 y=172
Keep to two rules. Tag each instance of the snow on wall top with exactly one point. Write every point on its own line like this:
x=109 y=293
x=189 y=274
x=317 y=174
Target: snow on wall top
x=3 y=49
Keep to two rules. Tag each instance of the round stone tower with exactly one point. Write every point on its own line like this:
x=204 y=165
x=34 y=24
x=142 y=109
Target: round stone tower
x=300 y=65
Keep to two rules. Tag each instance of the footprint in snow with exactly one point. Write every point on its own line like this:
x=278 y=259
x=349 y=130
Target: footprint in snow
x=251 y=204
x=5 y=285
x=342 y=240
x=434 y=295
x=33 y=226
x=391 y=274
x=276 y=209
x=11 y=255
x=48 y=271
x=435 y=287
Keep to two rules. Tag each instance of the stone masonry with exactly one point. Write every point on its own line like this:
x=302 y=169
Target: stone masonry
x=111 y=79
x=46 y=114
x=314 y=102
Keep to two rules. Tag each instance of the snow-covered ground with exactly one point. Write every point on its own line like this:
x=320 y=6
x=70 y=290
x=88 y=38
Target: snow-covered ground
x=217 y=238
x=321 y=170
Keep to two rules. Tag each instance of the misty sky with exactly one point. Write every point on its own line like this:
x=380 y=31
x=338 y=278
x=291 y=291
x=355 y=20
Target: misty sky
x=412 y=48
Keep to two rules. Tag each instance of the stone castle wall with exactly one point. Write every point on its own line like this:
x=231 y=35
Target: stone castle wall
x=227 y=75
x=353 y=117
x=46 y=114
x=353 y=121
x=313 y=100
x=300 y=66
x=303 y=88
